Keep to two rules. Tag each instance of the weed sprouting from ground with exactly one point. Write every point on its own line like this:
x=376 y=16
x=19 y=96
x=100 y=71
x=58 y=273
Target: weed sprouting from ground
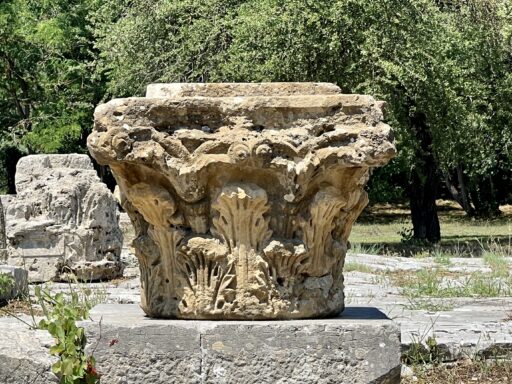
x=442 y=258
x=424 y=348
x=425 y=288
x=6 y=283
x=60 y=313
x=498 y=263
x=438 y=283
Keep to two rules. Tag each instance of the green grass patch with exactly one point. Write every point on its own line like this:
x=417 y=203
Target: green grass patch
x=428 y=289
x=498 y=263
x=389 y=227
x=357 y=267
x=368 y=249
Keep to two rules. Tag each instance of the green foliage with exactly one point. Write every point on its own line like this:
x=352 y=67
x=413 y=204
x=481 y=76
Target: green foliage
x=48 y=89
x=389 y=184
x=421 y=353
x=6 y=283
x=449 y=62
x=61 y=312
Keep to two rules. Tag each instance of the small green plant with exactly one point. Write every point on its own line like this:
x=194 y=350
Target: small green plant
x=442 y=258
x=61 y=313
x=432 y=354
x=406 y=235
x=424 y=348
x=6 y=283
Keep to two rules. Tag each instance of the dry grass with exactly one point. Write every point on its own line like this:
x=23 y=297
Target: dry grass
x=463 y=372
x=20 y=306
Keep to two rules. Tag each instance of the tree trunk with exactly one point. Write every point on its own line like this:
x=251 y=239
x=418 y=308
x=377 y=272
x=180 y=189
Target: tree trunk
x=423 y=184
x=466 y=204
x=485 y=200
x=460 y=194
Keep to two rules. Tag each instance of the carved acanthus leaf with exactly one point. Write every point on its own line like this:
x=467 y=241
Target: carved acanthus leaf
x=317 y=229
x=285 y=261
x=244 y=229
x=240 y=220
x=204 y=271
x=155 y=203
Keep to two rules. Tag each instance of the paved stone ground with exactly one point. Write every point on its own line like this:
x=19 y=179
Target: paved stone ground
x=474 y=326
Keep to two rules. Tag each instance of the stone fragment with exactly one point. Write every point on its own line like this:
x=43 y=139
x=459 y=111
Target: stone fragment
x=242 y=196
x=62 y=221
x=362 y=346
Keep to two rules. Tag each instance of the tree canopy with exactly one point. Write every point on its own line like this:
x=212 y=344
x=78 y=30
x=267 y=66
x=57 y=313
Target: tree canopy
x=444 y=68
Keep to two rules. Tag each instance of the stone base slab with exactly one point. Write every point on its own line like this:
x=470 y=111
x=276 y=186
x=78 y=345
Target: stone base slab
x=360 y=346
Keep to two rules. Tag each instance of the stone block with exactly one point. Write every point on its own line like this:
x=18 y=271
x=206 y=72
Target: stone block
x=19 y=282
x=62 y=220
x=24 y=354
x=360 y=346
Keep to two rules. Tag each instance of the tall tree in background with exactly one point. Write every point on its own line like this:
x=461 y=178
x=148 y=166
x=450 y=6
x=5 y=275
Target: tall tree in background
x=48 y=87
x=475 y=151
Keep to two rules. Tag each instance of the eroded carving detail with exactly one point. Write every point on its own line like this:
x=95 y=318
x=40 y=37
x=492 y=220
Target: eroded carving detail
x=206 y=275
x=242 y=197
x=317 y=229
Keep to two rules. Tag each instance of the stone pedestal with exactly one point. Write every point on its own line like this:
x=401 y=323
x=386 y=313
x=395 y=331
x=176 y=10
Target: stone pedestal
x=361 y=346
x=242 y=196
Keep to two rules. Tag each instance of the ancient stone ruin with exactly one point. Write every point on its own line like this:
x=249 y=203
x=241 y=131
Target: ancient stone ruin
x=242 y=195
x=62 y=220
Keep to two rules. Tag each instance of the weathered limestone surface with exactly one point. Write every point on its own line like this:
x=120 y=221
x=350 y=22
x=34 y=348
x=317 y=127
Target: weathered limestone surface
x=362 y=346
x=242 y=195
x=62 y=220
x=24 y=354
